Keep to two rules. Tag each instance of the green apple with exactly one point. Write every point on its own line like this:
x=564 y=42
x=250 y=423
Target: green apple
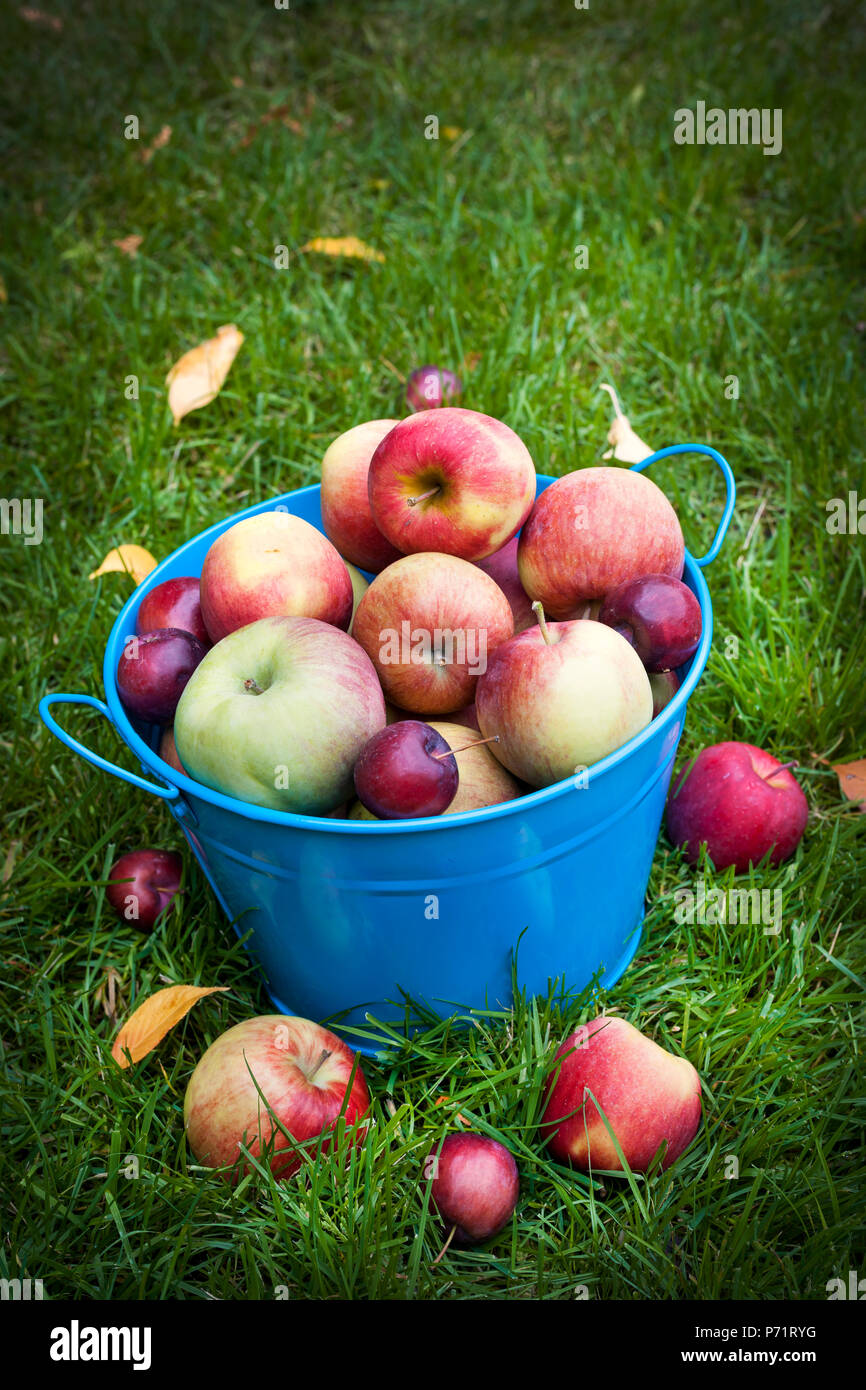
x=279 y=713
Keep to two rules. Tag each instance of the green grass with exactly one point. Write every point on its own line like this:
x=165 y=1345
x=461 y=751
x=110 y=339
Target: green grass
x=703 y=263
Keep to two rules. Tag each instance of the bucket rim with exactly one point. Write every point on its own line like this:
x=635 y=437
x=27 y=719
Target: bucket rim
x=197 y=791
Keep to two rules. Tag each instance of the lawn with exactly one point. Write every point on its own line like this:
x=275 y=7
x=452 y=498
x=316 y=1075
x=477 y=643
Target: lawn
x=701 y=264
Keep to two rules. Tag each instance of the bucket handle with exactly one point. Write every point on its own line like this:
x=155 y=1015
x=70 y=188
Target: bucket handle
x=730 y=484
x=168 y=793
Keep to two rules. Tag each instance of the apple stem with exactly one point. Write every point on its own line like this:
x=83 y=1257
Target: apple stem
x=253 y=687
x=324 y=1057
x=413 y=501
x=479 y=742
x=542 y=621
x=785 y=767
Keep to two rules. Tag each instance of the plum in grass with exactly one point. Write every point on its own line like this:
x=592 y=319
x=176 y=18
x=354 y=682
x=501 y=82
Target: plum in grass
x=278 y=713
x=309 y=1079
x=741 y=802
x=406 y=770
x=475 y=1186
x=593 y=530
x=142 y=885
x=648 y=1097
x=451 y=480
x=429 y=388
x=659 y=615
x=174 y=603
x=153 y=672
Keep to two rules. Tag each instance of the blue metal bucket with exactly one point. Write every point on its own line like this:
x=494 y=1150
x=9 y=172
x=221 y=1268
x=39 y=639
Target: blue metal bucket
x=347 y=918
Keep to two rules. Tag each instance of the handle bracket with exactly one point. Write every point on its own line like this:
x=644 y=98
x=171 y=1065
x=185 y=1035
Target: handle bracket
x=167 y=792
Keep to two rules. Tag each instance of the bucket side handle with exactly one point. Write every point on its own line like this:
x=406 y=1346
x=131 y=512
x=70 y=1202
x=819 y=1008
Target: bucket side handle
x=730 y=485
x=168 y=793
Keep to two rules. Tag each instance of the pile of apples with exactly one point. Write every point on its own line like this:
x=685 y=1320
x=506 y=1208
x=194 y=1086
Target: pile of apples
x=338 y=674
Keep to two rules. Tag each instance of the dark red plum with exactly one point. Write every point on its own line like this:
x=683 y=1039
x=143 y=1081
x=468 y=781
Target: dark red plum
x=659 y=616
x=143 y=884
x=475 y=1186
x=429 y=387
x=174 y=603
x=406 y=770
x=153 y=671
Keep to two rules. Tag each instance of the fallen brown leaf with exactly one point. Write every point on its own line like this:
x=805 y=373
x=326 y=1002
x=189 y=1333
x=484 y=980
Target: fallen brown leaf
x=50 y=21
x=107 y=994
x=131 y=559
x=343 y=246
x=852 y=781
x=157 y=143
x=627 y=446
x=129 y=245
x=150 y=1022
x=197 y=378
x=276 y=113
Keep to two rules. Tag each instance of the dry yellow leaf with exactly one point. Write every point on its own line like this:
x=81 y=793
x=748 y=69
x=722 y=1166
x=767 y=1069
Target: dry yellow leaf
x=627 y=446
x=343 y=246
x=129 y=559
x=197 y=377
x=154 y=1018
x=852 y=781
x=146 y=155
x=452 y=132
x=129 y=245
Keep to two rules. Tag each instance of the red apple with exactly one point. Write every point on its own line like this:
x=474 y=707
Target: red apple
x=142 y=885
x=451 y=480
x=475 y=1186
x=659 y=615
x=153 y=671
x=273 y=565
x=593 y=530
x=429 y=623
x=346 y=514
x=406 y=770
x=502 y=568
x=648 y=1096
x=428 y=388
x=168 y=751
x=174 y=603
x=741 y=802
x=305 y=1075
x=561 y=696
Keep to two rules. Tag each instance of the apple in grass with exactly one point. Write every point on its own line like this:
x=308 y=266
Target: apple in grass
x=174 y=603
x=346 y=514
x=561 y=696
x=429 y=624
x=279 y=714
x=273 y=565
x=648 y=1096
x=593 y=530
x=502 y=568
x=153 y=672
x=451 y=480
x=308 y=1077
x=474 y=1186
x=142 y=885
x=741 y=802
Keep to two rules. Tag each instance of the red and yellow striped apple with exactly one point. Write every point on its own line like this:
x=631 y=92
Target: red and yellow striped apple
x=346 y=514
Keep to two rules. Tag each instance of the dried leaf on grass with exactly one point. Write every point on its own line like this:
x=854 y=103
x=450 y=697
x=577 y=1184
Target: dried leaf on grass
x=158 y=141
x=627 y=446
x=49 y=21
x=276 y=113
x=343 y=246
x=129 y=245
x=197 y=377
x=852 y=781
x=128 y=559
x=154 y=1018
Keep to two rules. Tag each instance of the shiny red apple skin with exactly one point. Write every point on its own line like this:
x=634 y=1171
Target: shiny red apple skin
x=593 y=530
x=223 y=1108
x=431 y=593
x=153 y=672
x=429 y=388
x=398 y=775
x=502 y=568
x=647 y=1094
x=475 y=1186
x=174 y=603
x=142 y=885
x=273 y=565
x=479 y=471
x=660 y=616
x=664 y=686
x=742 y=802
x=346 y=514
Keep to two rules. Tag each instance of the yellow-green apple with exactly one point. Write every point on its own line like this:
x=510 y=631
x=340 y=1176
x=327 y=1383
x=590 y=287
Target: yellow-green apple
x=502 y=567
x=593 y=530
x=451 y=480
x=308 y=1078
x=360 y=585
x=429 y=624
x=648 y=1096
x=474 y=1185
x=741 y=802
x=279 y=713
x=346 y=514
x=561 y=696
x=273 y=565
x=483 y=780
